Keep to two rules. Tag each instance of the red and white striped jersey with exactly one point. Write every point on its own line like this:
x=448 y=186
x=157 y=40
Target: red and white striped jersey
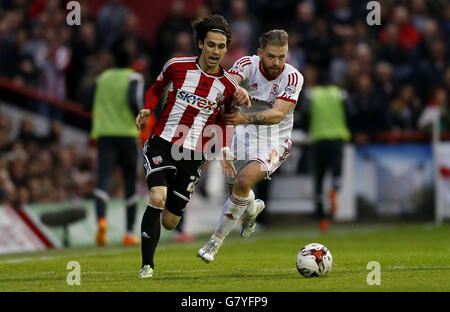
x=193 y=102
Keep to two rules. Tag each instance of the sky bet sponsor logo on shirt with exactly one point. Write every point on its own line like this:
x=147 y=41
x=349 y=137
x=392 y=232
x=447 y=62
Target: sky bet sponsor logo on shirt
x=195 y=101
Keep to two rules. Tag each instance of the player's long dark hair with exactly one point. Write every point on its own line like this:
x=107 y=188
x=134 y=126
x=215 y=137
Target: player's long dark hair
x=216 y=23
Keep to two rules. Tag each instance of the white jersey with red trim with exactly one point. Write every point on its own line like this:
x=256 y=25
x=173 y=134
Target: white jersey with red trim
x=263 y=93
x=270 y=145
x=193 y=101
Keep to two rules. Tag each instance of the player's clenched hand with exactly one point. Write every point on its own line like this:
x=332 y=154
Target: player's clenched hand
x=241 y=97
x=226 y=161
x=142 y=118
x=236 y=118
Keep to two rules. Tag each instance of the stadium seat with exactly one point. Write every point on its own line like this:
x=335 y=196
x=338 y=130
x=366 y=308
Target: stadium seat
x=64 y=218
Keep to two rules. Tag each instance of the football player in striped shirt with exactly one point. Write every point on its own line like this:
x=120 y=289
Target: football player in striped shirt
x=263 y=133
x=173 y=157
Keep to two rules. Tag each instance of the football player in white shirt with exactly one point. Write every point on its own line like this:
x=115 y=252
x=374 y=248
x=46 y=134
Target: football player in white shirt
x=262 y=140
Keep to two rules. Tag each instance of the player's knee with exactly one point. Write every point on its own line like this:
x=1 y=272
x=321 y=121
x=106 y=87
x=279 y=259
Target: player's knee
x=243 y=184
x=158 y=198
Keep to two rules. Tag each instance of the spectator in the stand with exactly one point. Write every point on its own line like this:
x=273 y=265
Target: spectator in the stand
x=54 y=13
x=19 y=61
x=296 y=54
x=7 y=187
x=303 y=24
x=27 y=136
x=446 y=79
x=18 y=170
x=430 y=71
x=363 y=56
x=408 y=35
x=419 y=14
x=318 y=50
x=9 y=47
x=36 y=38
x=83 y=58
x=391 y=51
x=275 y=14
x=405 y=109
x=351 y=78
x=342 y=18
x=235 y=52
x=53 y=60
x=301 y=112
x=23 y=197
x=116 y=98
x=110 y=22
x=362 y=34
x=6 y=144
x=384 y=82
x=140 y=50
x=369 y=111
x=183 y=44
x=177 y=21
x=446 y=22
x=339 y=65
x=243 y=24
x=131 y=29
x=429 y=32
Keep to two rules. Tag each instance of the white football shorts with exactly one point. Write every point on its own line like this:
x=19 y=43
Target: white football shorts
x=270 y=154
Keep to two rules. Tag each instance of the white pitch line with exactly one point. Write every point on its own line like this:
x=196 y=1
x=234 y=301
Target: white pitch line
x=46 y=258
x=26 y=259
x=394 y=268
x=401 y=267
x=136 y=271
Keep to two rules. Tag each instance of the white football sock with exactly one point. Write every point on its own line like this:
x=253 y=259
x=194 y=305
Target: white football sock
x=232 y=211
x=251 y=207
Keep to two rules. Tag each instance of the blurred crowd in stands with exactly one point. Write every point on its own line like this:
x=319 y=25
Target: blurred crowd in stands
x=390 y=72
x=41 y=169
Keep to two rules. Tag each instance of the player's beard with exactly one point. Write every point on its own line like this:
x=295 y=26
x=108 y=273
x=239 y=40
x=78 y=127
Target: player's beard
x=273 y=71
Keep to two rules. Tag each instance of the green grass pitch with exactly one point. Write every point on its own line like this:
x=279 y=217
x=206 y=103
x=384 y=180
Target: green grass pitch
x=412 y=257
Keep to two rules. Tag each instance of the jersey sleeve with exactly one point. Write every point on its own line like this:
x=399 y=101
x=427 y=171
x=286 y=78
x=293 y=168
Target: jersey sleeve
x=242 y=67
x=293 y=86
x=154 y=93
x=227 y=130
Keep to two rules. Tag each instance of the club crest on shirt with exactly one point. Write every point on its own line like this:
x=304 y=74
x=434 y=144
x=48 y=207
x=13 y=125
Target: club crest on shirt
x=220 y=97
x=290 y=90
x=254 y=86
x=157 y=160
x=274 y=89
x=238 y=68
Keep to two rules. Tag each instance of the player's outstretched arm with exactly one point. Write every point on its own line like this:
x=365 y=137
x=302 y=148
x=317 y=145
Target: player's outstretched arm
x=241 y=97
x=268 y=117
x=226 y=162
x=142 y=118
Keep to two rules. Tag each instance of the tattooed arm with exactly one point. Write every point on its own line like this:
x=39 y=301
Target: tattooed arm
x=268 y=117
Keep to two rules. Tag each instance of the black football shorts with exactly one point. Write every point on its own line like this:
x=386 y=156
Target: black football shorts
x=164 y=167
